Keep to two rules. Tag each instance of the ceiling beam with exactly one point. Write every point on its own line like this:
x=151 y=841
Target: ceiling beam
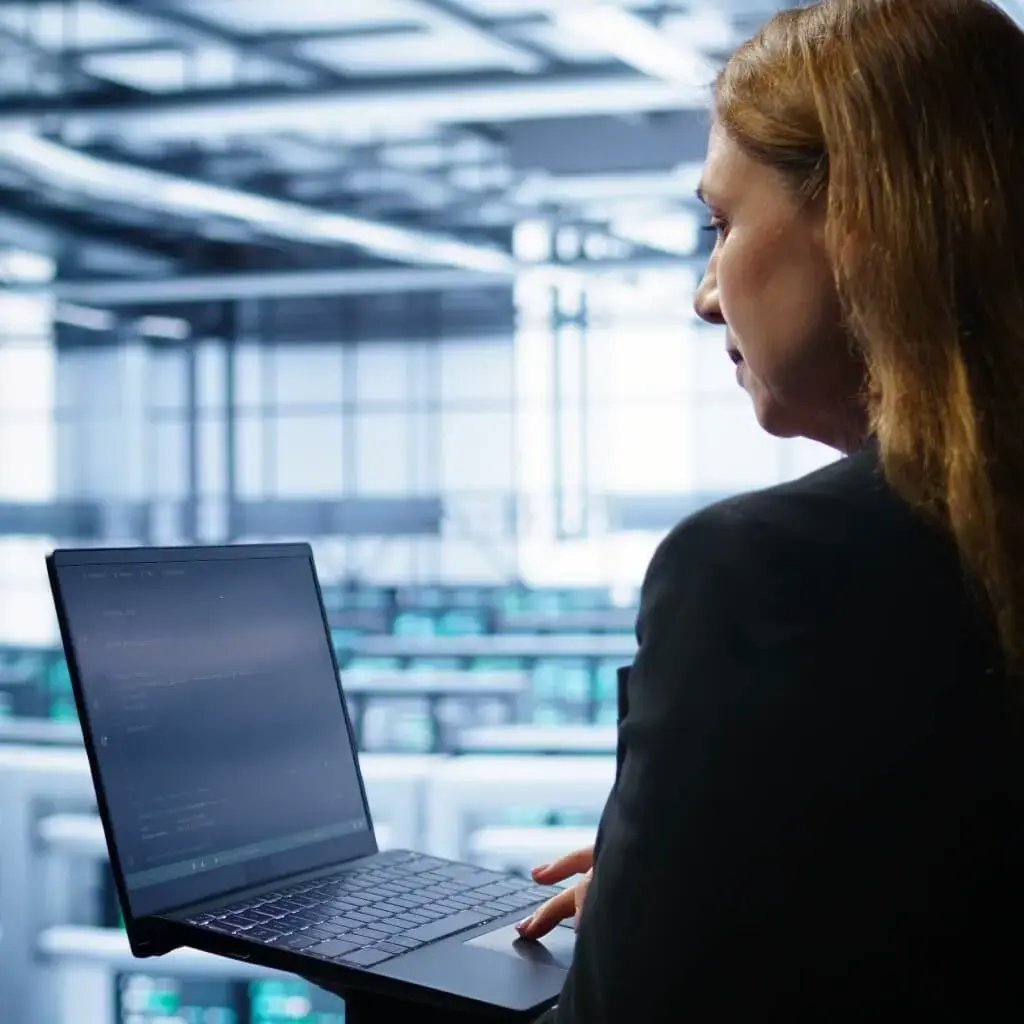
x=148 y=189
x=452 y=99
x=522 y=56
x=184 y=25
x=503 y=28
x=294 y=283
x=62 y=64
x=51 y=236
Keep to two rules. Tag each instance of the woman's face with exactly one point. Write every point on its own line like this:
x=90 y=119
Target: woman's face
x=768 y=281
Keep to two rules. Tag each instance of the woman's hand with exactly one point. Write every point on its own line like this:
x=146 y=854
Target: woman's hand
x=568 y=903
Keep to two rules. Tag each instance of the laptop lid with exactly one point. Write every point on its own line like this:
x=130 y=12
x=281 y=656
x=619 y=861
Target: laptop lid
x=220 y=745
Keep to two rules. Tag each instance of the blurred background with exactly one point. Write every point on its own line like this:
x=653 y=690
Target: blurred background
x=411 y=280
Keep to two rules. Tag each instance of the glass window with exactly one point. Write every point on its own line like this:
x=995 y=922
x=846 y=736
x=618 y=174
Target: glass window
x=476 y=451
x=306 y=375
x=308 y=456
x=383 y=453
x=382 y=372
x=476 y=371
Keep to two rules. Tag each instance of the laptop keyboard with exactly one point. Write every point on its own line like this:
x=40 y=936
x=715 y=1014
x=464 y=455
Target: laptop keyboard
x=366 y=916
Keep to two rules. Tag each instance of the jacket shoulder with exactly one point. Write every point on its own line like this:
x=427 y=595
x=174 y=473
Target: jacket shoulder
x=840 y=528
x=846 y=503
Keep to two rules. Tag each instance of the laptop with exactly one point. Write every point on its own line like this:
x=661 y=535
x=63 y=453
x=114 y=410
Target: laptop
x=229 y=786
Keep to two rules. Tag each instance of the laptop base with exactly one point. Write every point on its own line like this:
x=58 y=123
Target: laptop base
x=371 y=1008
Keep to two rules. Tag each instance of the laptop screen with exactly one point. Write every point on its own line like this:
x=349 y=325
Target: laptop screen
x=215 y=715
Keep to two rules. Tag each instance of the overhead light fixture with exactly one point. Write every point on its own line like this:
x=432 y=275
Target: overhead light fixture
x=155 y=189
x=172 y=328
x=636 y=42
x=23 y=267
x=86 y=317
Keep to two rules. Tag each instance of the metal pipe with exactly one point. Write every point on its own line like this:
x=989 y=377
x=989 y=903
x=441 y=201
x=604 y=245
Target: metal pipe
x=485 y=98
x=295 y=283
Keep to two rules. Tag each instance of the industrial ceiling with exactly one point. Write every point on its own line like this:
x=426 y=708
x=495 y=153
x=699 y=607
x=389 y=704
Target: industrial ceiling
x=171 y=140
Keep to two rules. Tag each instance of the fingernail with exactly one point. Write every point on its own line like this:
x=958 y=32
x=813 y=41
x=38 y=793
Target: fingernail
x=541 y=867
x=524 y=924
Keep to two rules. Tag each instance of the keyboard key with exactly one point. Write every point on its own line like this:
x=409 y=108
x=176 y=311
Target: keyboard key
x=543 y=893
x=333 y=948
x=407 y=919
x=390 y=947
x=368 y=935
x=223 y=927
x=261 y=934
x=241 y=920
x=406 y=901
x=345 y=923
x=463 y=902
x=446 y=926
x=405 y=941
x=366 y=957
x=333 y=928
x=495 y=890
x=429 y=877
x=345 y=904
x=446 y=905
x=261 y=915
x=521 y=899
x=418 y=864
x=319 y=933
x=298 y=941
x=468 y=876
x=434 y=892
x=389 y=928
x=497 y=909
x=302 y=918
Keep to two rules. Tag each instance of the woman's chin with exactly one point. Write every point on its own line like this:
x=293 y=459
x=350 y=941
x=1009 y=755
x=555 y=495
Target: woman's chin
x=770 y=417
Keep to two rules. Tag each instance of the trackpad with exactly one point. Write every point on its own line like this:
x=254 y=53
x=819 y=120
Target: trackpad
x=555 y=948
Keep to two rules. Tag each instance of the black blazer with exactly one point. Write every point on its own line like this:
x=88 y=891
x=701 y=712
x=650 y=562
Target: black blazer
x=818 y=810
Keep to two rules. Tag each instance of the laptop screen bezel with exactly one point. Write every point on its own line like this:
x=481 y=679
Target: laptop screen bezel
x=363 y=843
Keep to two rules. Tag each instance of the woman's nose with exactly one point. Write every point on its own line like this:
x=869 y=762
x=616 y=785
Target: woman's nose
x=705 y=302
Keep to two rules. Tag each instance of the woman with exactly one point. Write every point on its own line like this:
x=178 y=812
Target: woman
x=819 y=809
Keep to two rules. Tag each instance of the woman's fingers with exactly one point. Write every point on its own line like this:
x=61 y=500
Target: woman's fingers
x=574 y=863
x=547 y=915
x=566 y=904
